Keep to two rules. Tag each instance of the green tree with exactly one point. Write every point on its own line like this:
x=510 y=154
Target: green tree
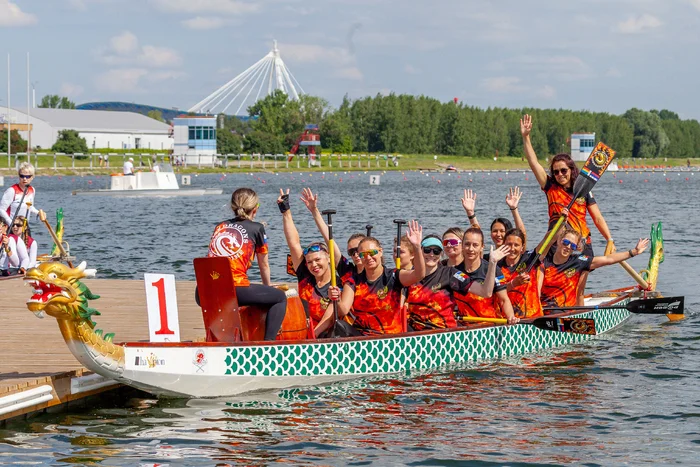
x=156 y=115
x=227 y=142
x=17 y=143
x=70 y=142
x=54 y=101
x=650 y=139
x=261 y=142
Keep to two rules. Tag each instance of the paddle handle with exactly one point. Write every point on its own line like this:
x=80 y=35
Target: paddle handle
x=478 y=319
x=399 y=223
x=635 y=275
x=56 y=241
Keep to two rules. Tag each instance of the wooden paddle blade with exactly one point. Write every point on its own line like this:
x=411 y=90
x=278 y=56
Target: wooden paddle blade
x=658 y=306
x=574 y=325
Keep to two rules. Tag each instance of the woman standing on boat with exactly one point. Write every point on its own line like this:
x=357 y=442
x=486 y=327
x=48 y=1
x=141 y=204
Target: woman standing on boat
x=470 y=304
x=10 y=202
x=523 y=288
x=564 y=269
x=312 y=266
x=376 y=299
x=430 y=302
x=241 y=239
x=452 y=246
x=500 y=225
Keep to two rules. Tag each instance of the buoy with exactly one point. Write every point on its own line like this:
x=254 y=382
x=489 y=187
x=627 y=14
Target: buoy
x=439 y=181
x=500 y=179
x=646 y=180
x=687 y=178
x=668 y=179
x=340 y=179
x=619 y=181
x=470 y=179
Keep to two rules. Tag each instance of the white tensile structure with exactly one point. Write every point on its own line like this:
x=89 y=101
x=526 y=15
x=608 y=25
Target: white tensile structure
x=269 y=73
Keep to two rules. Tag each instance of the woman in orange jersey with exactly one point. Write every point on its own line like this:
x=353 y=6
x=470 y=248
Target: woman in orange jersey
x=241 y=239
x=523 y=287
x=430 y=302
x=377 y=290
x=469 y=304
x=452 y=246
x=564 y=268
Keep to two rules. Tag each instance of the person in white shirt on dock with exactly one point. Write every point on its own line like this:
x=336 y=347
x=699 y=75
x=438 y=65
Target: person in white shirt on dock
x=10 y=202
x=129 y=167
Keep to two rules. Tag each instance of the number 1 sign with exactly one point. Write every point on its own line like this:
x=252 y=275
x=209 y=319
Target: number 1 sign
x=163 y=323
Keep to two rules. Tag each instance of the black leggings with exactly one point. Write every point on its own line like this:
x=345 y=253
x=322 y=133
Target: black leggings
x=257 y=294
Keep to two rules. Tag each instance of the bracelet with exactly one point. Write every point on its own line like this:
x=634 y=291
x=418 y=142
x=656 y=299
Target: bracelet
x=610 y=240
x=632 y=255
x=284 y=204
x=471 y=217
x=514 y=209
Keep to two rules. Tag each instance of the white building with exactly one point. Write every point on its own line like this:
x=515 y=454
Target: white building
x=100 y=128
x=582 y=145
x=195 y=138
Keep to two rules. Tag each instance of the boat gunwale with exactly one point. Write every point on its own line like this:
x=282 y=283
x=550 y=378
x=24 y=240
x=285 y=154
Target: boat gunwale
x=478 y=326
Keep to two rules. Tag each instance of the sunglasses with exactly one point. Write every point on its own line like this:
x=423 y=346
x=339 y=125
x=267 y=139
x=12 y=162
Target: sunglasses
x=451 y=242
x=364 y=254
x=437 y=251
x=17 y=225
x=25 y=176
x=570 y=244
x=314 y=249
x=352 y=251
x=560 y=171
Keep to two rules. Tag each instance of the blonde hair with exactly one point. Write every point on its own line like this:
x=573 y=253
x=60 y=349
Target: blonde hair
x=569 y=231
x=243 y=202
x=27 y=167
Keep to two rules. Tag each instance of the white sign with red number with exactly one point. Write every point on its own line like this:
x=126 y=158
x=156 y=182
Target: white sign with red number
x=163 y=322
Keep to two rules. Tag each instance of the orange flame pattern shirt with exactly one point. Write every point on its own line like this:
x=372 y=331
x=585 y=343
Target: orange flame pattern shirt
x=470 y=304
x=377 y=304
x=430 y=301
x=525 y=298
x=317 y=297
x=559 y=198
x=239 y=240
x=561 y=281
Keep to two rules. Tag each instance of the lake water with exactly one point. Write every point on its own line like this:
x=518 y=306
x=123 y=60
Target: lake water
x=628 y=398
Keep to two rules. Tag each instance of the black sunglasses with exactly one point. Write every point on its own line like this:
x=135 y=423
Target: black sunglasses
x=25 y=176
x=432 y=249
x=560 y=171
x=17 y=225
x=352 y=251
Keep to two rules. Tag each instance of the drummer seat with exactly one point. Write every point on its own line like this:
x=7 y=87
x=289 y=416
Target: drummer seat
x=217 y=297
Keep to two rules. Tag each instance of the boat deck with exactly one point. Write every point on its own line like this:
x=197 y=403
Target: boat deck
x=38 y=371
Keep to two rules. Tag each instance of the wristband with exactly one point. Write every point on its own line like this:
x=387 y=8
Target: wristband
x=513 y=209
x=631 y=254
x=471 y=217
x=284 y=204
x=610 y=240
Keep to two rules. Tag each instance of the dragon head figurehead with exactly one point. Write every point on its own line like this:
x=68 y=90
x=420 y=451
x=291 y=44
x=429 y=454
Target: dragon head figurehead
x=58 y=292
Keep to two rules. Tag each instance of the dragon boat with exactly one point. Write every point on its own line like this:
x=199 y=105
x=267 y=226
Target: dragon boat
x=235 y=360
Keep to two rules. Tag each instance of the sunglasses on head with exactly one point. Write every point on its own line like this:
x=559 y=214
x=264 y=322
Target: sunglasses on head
x=570 y=244
x=451 y=242
x=315 y=248
x=25 y=176
x=364 y=254
x=352 y=251
x=437 y=251
x=560 y=171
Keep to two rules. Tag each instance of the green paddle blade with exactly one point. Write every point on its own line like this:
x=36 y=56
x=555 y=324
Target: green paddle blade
x=658 y=306
x=573 y=325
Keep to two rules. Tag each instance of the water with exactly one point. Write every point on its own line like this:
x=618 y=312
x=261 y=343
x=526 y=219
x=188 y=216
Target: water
x=628 y=398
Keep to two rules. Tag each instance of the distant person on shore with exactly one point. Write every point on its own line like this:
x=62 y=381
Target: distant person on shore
x=129 y=166
x=10 y=202
x=558 y=187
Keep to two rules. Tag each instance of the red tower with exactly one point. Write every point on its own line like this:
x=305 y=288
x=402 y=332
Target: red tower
x=310 y=137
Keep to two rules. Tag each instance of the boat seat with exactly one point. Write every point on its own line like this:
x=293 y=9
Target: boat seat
x=217 y=297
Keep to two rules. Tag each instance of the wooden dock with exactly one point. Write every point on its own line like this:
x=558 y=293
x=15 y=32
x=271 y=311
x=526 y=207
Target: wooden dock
x=37 y=371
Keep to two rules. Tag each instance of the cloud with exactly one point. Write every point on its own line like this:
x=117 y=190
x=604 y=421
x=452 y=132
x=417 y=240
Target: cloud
x=71 y=90
x=125 y=50
x=411 y=70
x=130 y=80
x=639 y=24
x=546 y=92
x=201 y=22
x=351 y=73
x=695 y=4
x=343 y=62
x=613 y=72
x=514 y=85
x=562 y=67
x=12 y=16
x=231 y=7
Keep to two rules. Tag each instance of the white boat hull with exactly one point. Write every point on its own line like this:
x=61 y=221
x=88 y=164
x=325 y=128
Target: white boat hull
x=144 y=193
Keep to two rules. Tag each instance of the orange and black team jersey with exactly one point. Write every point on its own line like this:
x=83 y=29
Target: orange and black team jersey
x=377 y=305
x=561 y=281
x=239 y=240
x=524 y=298
x=430 y=301
x=559 y=198
x=470 y=304
x=317 y=297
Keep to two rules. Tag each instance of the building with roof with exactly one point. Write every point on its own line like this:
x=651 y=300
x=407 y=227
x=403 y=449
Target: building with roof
x=582 y=145
x=101 y=129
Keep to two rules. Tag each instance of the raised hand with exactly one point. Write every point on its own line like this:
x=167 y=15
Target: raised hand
x=513 y=198
x=309 y=199
x=282 y=195
x=415 y=233
x=469 y=202
x=283 y=201
x=525 y=125
x=499 y=253
x=642 y=245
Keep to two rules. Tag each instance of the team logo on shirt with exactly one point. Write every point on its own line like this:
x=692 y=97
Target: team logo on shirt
x=521 y=268
x=500 y=280
x=460 y=276
x=583 y=258
x=383 y=293
x=581 y=200
x=571 y=272
x=324 y=302
x=229 y=241
x=436 y=287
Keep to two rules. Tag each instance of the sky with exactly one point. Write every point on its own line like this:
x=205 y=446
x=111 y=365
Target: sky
x=598 y=55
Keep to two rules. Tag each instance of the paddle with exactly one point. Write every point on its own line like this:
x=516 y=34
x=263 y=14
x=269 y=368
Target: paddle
x=369 y=228
x=671 y=306
x=331 y=252
x=573 y=325
x=595 y=166
x=56 y=241
x=630 y=270
x=399 y=223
